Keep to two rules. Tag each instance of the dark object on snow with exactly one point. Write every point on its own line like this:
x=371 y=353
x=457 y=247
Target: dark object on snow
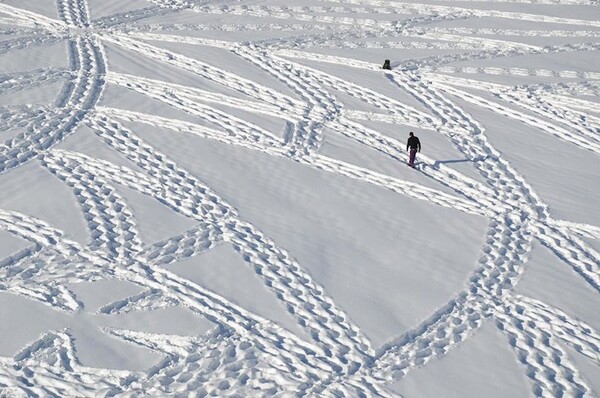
x=386 y=65
x=415 y=146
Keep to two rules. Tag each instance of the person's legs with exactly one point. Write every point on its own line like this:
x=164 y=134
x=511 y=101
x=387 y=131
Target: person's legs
x=412 y=156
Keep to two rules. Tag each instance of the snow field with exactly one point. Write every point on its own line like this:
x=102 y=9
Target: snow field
x=210 y=198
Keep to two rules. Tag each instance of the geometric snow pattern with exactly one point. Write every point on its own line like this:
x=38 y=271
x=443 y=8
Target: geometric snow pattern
x=247 y=355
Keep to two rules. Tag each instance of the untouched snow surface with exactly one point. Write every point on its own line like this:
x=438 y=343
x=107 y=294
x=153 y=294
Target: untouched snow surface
x=212 y=198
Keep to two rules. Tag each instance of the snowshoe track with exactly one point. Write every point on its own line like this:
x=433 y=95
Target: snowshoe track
x=246 y=354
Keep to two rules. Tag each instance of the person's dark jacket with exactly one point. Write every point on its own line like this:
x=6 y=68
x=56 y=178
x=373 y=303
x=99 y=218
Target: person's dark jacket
x=413 y=143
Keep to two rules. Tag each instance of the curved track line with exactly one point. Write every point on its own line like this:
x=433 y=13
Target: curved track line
x=114 y=21
x=585 y=127
x=511 y=72
x=49 y=368
x=572 y=250
x=111 y=224
x=226 y=79
x=219 y=364
x=197 y=94
x=234 y=127
x=582 y=140
x=21 y=43
x=579 y=335
x=321 y=107
x=320 y=162
x=416 y=8
x=547 y=364
x=14 y=82
x=584 y=230
x=76 y=100
x=272 y=339
x=304 y=298
x=468 y=136
x=74 y=13
x=30 y=17
x=462 y=185
x=189 y=244
x=25 y=26
x=513 y=32
x=250 y=141
x=340 y=362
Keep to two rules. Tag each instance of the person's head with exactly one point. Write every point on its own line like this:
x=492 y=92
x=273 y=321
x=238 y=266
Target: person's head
x=411 y=134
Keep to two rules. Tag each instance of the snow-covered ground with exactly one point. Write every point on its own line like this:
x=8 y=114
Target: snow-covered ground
x=212 y=198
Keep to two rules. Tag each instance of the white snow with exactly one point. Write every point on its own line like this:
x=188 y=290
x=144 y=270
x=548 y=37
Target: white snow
x=482 y=366
x=211 y=198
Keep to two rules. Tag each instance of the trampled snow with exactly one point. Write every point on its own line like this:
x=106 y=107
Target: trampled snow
x=212 y=198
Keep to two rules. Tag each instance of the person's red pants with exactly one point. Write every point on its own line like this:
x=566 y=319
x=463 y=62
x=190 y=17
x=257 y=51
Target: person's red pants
x=412 y=156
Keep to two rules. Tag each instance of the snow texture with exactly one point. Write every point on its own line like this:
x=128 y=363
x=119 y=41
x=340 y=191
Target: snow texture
x=211 y=198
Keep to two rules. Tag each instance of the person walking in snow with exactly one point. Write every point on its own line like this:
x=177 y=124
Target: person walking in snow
x=414 y=145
